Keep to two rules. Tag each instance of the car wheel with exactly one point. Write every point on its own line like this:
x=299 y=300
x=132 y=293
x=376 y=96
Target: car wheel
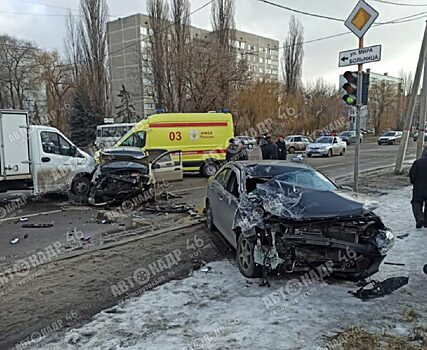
x=209 y=169
x=330 y=153
x=291 y=149
x=379 y=143
x=342 y=152
x=209 y=218
x=245 y=257
x=393 y=142
x=250 y=146
x=308 y=155
x=79 y=190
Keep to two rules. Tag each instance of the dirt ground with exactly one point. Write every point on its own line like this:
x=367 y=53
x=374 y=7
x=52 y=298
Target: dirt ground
x=69 y=292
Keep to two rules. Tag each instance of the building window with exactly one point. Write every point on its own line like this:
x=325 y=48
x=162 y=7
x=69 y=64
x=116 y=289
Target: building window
x=144 y=31
x=261 y=60
x=261 y=70
x=261 y=49
x=268 y=61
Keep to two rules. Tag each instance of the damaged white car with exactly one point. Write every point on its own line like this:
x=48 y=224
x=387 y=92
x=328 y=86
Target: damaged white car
x=289 y=217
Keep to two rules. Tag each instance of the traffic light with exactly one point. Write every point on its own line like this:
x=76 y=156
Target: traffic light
x=350 y=88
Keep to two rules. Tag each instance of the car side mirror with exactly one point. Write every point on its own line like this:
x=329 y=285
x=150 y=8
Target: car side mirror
x=73 y=150
x=155 y=166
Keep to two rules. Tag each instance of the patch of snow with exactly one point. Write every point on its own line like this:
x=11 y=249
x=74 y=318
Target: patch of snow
x=223 y=310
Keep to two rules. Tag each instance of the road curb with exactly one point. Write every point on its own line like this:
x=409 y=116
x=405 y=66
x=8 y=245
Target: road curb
x=369 y=170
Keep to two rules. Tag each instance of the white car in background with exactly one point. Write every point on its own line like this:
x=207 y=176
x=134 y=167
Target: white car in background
x=390 y=138
x=327 y=146
x=248 y=141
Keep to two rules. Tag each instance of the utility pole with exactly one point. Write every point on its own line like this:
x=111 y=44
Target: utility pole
x=409 y=112
x=359 y=106
x=422 y=120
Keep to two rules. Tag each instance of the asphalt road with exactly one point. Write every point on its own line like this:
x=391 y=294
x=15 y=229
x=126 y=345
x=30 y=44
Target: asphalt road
x=66 y=218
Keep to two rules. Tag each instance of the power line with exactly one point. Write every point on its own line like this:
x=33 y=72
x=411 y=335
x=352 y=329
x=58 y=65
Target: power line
x=37 y=14
x=400 y=4
x=48 y=5
x=302 y=12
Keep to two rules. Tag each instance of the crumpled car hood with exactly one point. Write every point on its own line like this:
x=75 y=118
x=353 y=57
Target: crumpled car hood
x=290 y=202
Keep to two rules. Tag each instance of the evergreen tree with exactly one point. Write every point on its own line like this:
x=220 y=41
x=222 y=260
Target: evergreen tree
x=83 y=120
x=126 y=110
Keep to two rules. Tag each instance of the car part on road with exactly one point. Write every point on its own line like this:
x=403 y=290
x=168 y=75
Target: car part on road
x=169 y=208
x=37 y=225
x=14 y=241
x=380 y=288
x=403 y=236
x=23 y=219
x=168 y=195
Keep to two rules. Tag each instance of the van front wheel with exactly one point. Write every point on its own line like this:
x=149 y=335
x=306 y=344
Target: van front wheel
x=79 y=191
x=209 y=169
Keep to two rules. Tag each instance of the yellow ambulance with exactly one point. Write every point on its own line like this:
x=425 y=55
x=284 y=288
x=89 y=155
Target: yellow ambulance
x=201 y=137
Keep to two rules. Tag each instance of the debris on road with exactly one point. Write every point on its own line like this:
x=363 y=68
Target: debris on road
x=23 y=219
x=37 y=225
x=14 y=241
x=168 y=195
x=380 y=288
x=26 y=236
x=168 y=208
x=206 y=269
x=403 y=236
x=394 y=264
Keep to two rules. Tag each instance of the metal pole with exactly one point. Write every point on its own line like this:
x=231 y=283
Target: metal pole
x=409 y=112
x=422 y=120
x=359 y=101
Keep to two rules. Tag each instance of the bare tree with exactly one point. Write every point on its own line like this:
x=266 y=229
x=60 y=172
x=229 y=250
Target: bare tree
x=126 y=110
x=293 y=54
x=158 y=23
x=383 y=105
x=58 y=80
x=93 y=47
x=180 y=35
x=73 y=52
x=19 y=72
x=223 y=38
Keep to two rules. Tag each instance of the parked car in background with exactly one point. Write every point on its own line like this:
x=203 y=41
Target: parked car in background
x=415 y=137
x=327 y=146
x=289 y=217
x=248 y=141
x=390 y=138
x=349 y=137
x=295 y=143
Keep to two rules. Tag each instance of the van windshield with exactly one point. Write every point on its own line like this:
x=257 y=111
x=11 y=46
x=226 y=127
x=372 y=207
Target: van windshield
x=135 y=140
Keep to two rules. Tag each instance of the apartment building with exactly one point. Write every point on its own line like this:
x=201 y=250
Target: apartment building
x=127 y=47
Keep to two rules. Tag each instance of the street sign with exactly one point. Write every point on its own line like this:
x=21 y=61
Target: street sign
x=359 y=56
x=108 y=120
x=361 y=18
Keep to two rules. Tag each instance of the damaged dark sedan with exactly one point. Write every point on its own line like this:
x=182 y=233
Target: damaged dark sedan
x=289 y=217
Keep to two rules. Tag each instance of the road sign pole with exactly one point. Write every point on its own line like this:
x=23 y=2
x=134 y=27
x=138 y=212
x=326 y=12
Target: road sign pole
x=359 y=104
x=409 y=112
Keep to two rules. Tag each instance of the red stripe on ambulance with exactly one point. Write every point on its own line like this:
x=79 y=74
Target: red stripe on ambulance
x=174 y=125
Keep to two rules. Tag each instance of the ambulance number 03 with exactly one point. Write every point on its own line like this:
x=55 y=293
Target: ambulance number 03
x=175 y=136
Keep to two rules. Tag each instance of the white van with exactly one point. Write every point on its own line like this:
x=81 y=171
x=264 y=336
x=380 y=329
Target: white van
x=108 y=134
x=40 y=158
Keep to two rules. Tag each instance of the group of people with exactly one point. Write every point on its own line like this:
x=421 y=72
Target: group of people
x=272 y=150
x=237 y=150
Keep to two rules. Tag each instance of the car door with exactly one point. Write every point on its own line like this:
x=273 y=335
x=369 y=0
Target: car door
x=299 y=146
x=166 y=166
x=230 y=203
x=58 y=158
x=336 y=146
x=216 y=195
x=306 y=141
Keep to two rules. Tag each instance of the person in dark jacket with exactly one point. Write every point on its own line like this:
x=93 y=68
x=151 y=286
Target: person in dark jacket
x=418 y=178
x=281 y=148
x=236 y=151
x=269 y=149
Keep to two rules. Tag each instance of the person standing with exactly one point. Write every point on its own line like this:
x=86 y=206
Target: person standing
x=418 y=178
x=269 y=149
x=281 y=148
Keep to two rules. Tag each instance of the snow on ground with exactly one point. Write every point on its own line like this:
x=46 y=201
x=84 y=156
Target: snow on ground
x=222 y=310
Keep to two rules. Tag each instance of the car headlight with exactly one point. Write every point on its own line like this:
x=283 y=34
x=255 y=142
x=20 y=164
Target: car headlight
x=384 y=241
x=323 y=148
x=371 y=205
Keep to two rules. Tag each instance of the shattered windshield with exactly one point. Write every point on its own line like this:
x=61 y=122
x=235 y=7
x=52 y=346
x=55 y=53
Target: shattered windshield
x=307 y=178
x=325 y=140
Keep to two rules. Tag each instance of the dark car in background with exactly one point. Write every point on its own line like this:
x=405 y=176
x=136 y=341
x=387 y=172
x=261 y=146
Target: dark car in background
x=290 y=217
x=349 y=137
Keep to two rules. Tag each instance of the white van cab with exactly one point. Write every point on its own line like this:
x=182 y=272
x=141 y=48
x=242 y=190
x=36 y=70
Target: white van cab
x=40 y=158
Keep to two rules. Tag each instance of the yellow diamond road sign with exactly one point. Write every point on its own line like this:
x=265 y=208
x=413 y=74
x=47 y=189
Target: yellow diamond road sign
x=361 y=18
